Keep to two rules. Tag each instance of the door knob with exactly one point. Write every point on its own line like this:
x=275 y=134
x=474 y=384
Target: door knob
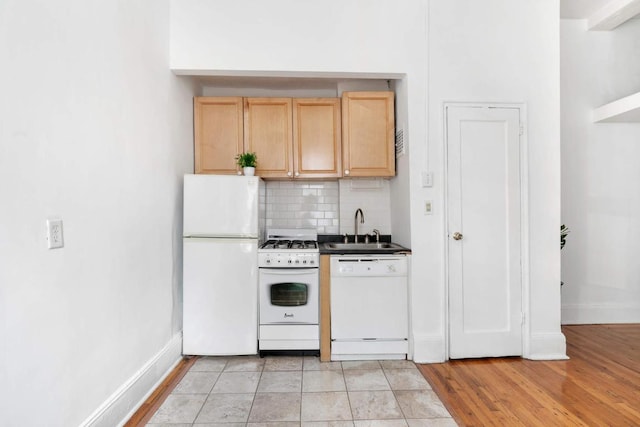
x=457 y=236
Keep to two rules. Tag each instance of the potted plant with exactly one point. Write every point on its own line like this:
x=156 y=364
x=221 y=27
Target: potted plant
x=248 y=162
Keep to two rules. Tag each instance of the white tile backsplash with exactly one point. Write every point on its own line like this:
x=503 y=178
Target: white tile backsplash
x=370 y=195
x=295 y=204
x=329 y=206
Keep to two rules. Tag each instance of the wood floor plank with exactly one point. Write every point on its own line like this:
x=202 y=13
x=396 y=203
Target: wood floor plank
x=598 y=386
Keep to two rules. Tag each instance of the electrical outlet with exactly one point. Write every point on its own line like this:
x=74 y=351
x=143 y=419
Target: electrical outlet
x=55 y=238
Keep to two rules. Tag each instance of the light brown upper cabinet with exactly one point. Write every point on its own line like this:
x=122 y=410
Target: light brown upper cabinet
x=218 y=134
x=316 y=138
x=368 y=134
x=294 y=138
x=268 y=133
x=297 y=138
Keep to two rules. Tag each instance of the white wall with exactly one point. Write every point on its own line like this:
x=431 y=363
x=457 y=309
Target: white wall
x=282 y=37
x=490 y=50
x=400 y=195
x=96 y=131
x=600 y=176
x=501 y=51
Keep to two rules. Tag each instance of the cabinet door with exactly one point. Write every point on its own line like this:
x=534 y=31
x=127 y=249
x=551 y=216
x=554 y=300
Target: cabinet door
x=267 y=132
x=317 y=138
x=368 y=134
x=218 y=134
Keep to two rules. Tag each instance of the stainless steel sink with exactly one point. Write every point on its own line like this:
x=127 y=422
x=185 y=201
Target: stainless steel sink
x=364 y=246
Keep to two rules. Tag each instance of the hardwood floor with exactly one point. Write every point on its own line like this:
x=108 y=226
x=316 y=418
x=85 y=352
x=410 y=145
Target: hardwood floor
x=598 y=386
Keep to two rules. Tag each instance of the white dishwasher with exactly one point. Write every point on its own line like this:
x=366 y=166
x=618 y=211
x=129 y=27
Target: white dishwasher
x=369 y=307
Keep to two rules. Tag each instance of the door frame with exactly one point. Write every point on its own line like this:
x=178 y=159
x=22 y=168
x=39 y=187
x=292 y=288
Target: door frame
x=524 y=217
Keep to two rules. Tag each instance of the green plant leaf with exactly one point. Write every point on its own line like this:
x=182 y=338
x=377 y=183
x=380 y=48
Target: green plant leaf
x=248 y=159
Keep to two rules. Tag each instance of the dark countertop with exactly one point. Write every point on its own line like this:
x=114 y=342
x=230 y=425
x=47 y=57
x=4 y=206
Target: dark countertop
x=323 y=239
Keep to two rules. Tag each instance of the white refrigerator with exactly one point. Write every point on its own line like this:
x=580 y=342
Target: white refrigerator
x=223 y=223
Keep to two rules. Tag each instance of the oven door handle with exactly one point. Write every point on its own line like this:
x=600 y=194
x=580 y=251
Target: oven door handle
x=289 y=271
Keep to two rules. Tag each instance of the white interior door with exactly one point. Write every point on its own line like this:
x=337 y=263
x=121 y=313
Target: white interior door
x=484 y=231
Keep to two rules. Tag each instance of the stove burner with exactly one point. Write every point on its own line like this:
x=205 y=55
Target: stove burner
x=303 y=244
x=290 y=244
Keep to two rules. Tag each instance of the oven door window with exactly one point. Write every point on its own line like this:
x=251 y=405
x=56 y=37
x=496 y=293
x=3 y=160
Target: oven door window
x=289 y=294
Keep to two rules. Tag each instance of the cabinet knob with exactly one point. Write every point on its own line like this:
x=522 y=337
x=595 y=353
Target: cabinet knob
x=346 y=172
x=297 y=173
x=289 y=173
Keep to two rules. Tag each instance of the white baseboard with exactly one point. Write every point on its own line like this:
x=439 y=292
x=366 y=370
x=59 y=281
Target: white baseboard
x=429 y=349
x=122 y=404
x=547 y=346
x=586 y=314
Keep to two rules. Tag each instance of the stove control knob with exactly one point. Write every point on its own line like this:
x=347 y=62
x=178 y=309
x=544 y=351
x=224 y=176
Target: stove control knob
x=289 y=261
x=311 y=261
x=268 y=261
x=297 y=261
x=304 y=261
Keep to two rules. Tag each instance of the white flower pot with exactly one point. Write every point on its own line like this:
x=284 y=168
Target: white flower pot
x=249 y=171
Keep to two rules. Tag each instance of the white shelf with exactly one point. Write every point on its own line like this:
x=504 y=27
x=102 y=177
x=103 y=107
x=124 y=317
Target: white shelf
x=626 y=109
x=614 y=13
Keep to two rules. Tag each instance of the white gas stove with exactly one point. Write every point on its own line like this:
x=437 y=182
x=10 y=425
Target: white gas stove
x=290 y=248
x=289 y=291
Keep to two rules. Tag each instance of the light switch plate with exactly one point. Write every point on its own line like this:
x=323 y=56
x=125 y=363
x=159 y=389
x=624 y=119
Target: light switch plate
x=427 y=179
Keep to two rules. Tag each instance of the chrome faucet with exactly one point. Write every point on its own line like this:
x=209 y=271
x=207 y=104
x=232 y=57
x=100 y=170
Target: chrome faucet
x=355 y=223
x=377 y=232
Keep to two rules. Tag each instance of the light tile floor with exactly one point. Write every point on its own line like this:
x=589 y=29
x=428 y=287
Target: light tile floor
x=301 y=391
